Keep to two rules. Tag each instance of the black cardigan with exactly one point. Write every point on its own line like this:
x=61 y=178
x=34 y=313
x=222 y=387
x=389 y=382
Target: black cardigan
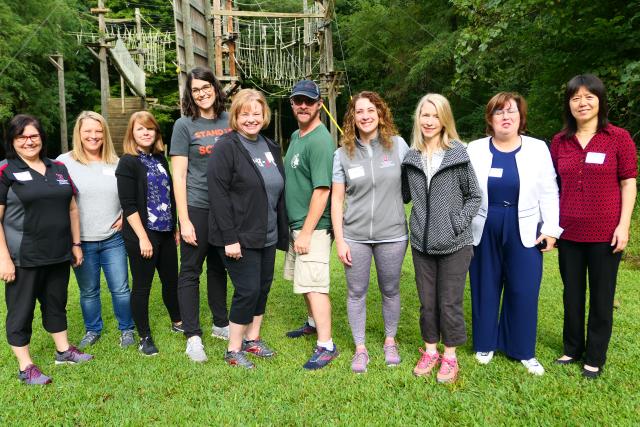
x=131 y=175
x=237 y=197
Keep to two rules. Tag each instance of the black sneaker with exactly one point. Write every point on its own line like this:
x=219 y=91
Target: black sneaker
x=303 y=330
x=177 y=327
x=238 y=359
x=147 y=347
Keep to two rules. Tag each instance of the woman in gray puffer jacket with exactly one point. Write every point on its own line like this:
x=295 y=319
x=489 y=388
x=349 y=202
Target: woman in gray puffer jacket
x=438 y=177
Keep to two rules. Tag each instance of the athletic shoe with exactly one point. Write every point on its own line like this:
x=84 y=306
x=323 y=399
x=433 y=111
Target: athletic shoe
x=591 y=375
x=448 y=372
x=195 y=349
x=427 y=362
x=257 y=347
x=320 y=358
x=238 y=359
x=33 y=376
x=484 y=357
x=127 y=339
x=561 y=361
x=359 y=362
x=147 y=347
x=303 y=330
x=177 y=327
x=73 y=356
x=89 y=338
x=220 y=332
x=391 y=355
x=533 y=366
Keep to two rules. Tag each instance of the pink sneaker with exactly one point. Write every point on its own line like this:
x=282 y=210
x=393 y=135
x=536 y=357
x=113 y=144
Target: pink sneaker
x=359 y=362
x=448 y=372
x=426 y=363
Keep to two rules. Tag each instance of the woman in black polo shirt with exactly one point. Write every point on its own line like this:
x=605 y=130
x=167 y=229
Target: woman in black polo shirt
x=150 y=233
x=39 y=236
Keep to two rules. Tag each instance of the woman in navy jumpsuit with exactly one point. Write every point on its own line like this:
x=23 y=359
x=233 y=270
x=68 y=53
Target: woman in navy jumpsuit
x=518 y=219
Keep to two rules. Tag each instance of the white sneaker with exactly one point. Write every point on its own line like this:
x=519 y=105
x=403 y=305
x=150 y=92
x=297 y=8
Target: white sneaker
x=533 y=366
x=220 y=332
x=484 y=357
x=195 y=349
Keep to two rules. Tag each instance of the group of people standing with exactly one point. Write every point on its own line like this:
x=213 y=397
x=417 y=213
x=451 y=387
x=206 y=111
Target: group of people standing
x=489 y=209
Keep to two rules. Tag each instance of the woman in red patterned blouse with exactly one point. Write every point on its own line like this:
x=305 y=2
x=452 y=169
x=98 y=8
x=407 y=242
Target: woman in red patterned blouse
x=596 y=164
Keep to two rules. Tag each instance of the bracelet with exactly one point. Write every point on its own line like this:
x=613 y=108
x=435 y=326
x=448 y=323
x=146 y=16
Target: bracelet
x=77 y=244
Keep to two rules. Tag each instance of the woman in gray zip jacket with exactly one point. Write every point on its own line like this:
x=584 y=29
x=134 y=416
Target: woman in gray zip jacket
x=368 y=217
x=438 y=177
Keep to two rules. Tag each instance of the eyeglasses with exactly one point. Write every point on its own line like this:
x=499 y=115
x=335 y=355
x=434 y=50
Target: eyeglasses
x=198 y=91
x=299 y=100
x=24 y=138
x=510 y=111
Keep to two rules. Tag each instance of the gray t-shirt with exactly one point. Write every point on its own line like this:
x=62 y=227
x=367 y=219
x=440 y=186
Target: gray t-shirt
x=273 y=182
x=97 y=197
x=195 y=139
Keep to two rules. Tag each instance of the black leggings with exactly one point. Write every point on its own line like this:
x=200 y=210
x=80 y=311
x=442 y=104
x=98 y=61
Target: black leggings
x=46 y=284
x=251 y=276
x=191 y=260
x=165 y=260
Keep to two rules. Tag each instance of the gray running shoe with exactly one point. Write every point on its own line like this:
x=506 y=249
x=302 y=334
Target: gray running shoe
x=73 y=356
x=33 y=376
x=127 y=339
x=258 y=348
x=220 y=332
x=238 y=358
x=195 y=349
x=89 y=339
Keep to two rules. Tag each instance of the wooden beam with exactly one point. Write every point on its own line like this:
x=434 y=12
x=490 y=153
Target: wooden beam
x=187 y=36
x=104 y=69
x=251 y=14
x=217 y=34
x=58 y=62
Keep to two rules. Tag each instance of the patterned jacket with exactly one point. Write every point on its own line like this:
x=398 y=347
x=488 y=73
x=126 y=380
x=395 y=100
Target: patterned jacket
x=441 y=215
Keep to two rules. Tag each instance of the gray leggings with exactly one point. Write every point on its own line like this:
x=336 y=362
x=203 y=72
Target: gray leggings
x=388 y=258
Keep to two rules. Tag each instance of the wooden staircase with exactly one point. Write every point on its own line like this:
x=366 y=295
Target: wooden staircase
x=119 y=117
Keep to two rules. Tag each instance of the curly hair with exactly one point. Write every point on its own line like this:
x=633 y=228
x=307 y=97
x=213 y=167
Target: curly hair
x=386 y=127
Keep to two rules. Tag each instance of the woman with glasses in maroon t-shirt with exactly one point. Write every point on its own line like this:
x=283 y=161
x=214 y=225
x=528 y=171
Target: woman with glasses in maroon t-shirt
x=596 y=163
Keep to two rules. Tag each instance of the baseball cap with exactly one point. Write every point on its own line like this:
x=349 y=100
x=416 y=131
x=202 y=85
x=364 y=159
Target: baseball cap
x=307 y=88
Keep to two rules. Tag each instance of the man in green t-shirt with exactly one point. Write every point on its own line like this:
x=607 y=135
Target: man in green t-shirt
x=308 y=166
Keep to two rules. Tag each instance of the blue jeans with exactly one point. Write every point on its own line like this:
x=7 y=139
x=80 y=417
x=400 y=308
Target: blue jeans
x=111 y=256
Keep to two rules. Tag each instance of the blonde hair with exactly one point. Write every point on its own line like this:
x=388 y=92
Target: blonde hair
x=445 y=115
x=386 y=127
x=242 y=99
x=107 y=151
x=147 y=120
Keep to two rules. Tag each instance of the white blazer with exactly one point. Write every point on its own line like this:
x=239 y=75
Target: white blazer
x=538 y=202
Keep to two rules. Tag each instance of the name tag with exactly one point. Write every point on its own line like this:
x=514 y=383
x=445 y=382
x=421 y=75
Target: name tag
x=597 y=158
x=23 y=176
x=357 y=172
x=269 y=156
x=161 y=169
x=108 y=171
x=495 y=172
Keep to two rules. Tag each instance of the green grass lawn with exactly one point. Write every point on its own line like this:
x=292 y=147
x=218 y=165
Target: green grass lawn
x=122 y=387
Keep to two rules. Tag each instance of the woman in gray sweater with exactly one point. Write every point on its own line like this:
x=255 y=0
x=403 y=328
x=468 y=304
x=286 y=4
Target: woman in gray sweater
x=437 y=176
x=368 y=217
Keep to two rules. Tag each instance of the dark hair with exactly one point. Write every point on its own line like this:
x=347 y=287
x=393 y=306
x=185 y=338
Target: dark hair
x=596 y=87
x=16 y=127
x=498 y=101
x=189 y=107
